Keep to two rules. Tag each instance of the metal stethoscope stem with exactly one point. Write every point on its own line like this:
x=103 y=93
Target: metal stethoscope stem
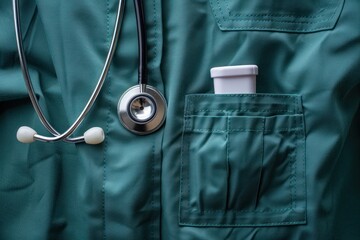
x=64 y=136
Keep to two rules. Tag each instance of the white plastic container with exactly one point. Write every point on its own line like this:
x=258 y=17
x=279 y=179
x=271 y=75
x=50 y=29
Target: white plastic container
x=234 y=79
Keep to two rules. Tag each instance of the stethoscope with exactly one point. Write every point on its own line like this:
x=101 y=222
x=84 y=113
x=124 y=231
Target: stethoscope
x=141 y=109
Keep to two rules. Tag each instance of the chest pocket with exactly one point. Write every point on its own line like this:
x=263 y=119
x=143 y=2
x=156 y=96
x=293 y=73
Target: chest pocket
x=276 y=15
x=243 y=161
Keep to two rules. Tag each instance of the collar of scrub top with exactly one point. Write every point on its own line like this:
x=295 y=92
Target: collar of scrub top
x=94 y=135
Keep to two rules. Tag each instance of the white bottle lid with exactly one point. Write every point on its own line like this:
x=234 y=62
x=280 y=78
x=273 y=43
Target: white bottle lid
x=240 y=79
x=232 y=71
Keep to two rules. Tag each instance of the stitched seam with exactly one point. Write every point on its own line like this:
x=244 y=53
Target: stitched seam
x=246 y=211
x=257 y=95
x=238 y=14
x=294 y=168
x=275 y=20
x=240 y=111
x=212 y=130
x=323 y=26
x=107 y=127
x=155 y=49
x=152 y=230
x=331 y=15
x=290 y=106
x=188 y=170
x=298 y=29
x=250 y=224
x=262 y=153
x=216 y=16
x=303 y=158
x=292 y=183
x=181 y=177
x=228 y=167
x=182 y=169
x=313 y=16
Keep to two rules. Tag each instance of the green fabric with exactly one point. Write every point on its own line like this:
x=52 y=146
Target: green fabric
x=244 y=140
x=280 y=164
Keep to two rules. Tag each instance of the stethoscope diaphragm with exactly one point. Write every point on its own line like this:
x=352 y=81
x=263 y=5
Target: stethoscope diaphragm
x=142 y=109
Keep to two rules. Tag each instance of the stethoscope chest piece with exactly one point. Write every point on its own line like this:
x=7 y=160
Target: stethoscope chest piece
x=142 y=109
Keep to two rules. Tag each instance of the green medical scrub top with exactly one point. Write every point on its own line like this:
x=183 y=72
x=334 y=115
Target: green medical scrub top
x=283 y=163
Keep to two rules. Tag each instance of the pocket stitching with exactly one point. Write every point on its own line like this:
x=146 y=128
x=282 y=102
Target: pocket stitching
x=313 y=16
x=220 y=18
x=292 y=161
x=294 y=108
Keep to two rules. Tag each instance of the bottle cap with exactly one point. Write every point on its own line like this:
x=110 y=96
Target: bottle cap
x=232 y=71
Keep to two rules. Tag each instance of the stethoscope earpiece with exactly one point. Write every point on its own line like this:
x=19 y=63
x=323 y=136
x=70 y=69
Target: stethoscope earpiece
x=26 y=134
x=92 y=136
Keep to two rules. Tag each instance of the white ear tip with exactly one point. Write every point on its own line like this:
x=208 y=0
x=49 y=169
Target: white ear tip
x=25 y=134
x=94 y=135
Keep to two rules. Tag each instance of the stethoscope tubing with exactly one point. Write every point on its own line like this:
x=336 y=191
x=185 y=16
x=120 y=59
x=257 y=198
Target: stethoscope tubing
x=56 y=135
x=141 y=31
